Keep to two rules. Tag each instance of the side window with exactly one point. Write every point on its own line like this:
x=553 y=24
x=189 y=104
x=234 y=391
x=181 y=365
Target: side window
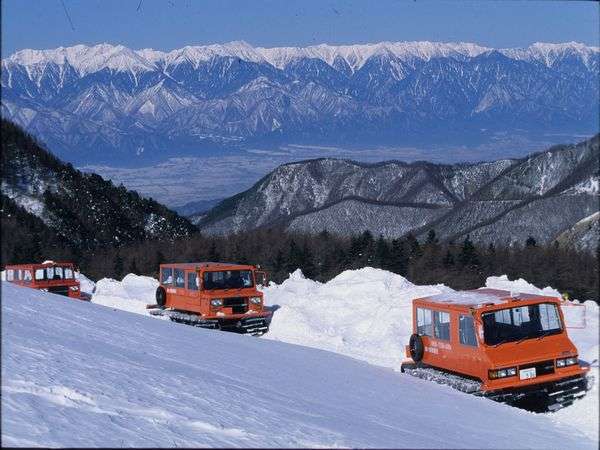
x=50 y=273
x=466 y=331
x=166 y=276
x=68 y=272
x=503 y=316
x=27 y=276
x=178 y=276
x=192 y=283
x=39 y=274
x=18 y=275
x=441 y=321
x=424 y=324
x=549 y=317
x=10 y=275
x=58 y=273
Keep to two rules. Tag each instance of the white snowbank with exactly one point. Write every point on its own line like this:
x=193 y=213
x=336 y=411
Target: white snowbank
x=131 y=294
x=85 y=284
x=362 y=313
x=520 y=285
x=77 y=374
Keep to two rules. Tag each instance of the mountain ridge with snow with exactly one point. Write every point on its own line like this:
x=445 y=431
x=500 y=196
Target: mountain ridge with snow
x=99 y=103
x=354 y=54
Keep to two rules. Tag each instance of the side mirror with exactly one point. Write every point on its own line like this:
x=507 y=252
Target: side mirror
x=261 y=277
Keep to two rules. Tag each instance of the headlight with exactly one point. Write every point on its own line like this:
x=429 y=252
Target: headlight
x=256 y=300
x=216 y=302
x=44 y=289
x=74 y=288
x=564 y=362
x=502 y=373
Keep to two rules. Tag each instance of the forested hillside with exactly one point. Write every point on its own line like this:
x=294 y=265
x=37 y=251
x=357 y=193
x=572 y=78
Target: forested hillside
x=51 y=209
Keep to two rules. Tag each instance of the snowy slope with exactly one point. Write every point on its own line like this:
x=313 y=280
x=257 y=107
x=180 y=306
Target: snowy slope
x=79 y=374
x=366 y=314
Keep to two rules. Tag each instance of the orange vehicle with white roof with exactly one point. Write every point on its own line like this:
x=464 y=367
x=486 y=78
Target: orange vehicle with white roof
x=54 y=277
x=213 y=295
x=511 y=347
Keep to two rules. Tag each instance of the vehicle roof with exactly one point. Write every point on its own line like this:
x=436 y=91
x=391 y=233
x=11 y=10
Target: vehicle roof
x=44 y=264
x=207 y=264
x=478 y=298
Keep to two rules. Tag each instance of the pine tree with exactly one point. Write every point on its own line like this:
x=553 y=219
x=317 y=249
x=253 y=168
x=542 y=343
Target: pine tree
x=398 y=260
x=118 y=267
x=294 y=259
x=307 y=262
x=213 y=254
x=382 y=253
x=432 y=238
x=448 y=260
x=468 y=254
x=133 y=268
x=530 y=242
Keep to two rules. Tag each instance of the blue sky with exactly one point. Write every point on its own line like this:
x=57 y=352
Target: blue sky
x=168 y=24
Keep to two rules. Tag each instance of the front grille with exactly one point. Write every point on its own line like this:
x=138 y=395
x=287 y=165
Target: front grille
x=60 y=290
x=238 y=305
x=541 y=367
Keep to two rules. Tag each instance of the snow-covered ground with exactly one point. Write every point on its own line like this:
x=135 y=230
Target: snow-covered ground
x=80 y=374
x=366 y=314
x=131 y=294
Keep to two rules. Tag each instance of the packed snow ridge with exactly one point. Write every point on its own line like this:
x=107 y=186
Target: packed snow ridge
x=79 y=374
x=89 y=59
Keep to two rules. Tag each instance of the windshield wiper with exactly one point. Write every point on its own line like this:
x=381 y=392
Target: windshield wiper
x=502 y=341
x=544 y=334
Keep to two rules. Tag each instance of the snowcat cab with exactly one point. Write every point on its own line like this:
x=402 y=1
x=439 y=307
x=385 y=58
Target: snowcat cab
x=213 y=295
x=512 y=348
x=55 y=277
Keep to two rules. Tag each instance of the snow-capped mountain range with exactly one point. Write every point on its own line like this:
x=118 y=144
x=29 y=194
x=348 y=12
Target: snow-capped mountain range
x=97 y=102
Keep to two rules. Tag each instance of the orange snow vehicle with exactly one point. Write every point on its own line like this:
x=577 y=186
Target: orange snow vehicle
x=55 y=277
x=213 y=295
x=510 y=347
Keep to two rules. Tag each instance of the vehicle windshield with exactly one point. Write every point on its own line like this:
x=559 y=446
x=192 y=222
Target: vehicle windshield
x=525 y=322
x=227 y=279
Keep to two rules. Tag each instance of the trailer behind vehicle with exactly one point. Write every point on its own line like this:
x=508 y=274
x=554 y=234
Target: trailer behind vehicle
x=55 y=277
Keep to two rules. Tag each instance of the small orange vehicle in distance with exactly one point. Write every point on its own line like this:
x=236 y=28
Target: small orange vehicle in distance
x=213 y=295
x=512 y=348
x=55 y=277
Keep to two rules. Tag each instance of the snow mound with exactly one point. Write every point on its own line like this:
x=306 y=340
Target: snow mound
x=77 y=374
x=131 y=294
x=85 y=284
x=363 y=313
x=520 y=285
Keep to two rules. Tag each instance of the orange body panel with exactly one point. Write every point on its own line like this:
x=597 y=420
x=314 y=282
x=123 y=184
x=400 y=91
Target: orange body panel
x=25 y=275
x=477 y=361
x=198 y=301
